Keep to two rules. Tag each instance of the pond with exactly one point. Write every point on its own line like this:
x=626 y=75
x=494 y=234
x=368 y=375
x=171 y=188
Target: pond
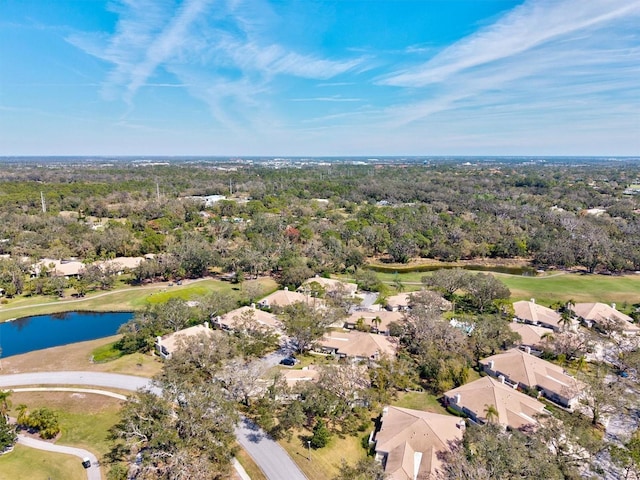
x=44 y=331
x=525 y=271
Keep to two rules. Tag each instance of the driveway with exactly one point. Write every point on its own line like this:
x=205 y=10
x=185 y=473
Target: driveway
x=93 y=472
x=272 y=459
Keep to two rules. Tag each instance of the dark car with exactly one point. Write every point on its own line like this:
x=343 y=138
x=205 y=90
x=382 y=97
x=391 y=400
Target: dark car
x=289 y=361
x=86 y=462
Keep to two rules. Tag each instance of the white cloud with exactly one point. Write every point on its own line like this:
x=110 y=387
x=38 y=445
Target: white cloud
x=525 y=27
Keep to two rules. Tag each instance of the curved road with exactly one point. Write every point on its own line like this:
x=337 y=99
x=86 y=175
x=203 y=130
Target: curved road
x=93 y=472
x=268 y=455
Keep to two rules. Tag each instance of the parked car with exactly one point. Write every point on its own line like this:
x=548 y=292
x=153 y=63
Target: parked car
x=289 y=361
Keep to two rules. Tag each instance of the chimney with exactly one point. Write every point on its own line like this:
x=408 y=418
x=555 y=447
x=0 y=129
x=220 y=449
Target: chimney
x=501 y=378
x=533 y=300
x=253 y=305
x=456 y=399
x=286 y=289
x=613 y=305
x=491 y=364
x=461 y=425
x=159 y=340
x=206 y=325
x=527 y=349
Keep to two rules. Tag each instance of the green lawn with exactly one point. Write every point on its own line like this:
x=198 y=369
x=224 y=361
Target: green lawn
x=124 y=299
x=325 y=461
x=419 y=401
x=548 y=289
x=578 y=287
x=30 y=464
x=85 y=419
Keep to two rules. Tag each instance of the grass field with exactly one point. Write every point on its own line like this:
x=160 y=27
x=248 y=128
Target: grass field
x=548 y=289
x=124 y=299
x=77 y=356
x=325 y=461
x=30 y=464
x=419 y=401
x=84 y=418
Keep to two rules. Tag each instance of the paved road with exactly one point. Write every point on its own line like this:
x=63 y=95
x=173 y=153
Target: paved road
x=93 y=472
x=270 y=457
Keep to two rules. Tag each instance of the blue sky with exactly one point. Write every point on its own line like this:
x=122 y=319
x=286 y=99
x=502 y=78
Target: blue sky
x=307 y=77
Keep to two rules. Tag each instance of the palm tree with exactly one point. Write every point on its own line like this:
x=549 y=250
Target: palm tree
x=22 y=414
x=491 y=413
x=566 y=315
x=5 y=403
x=377 y=321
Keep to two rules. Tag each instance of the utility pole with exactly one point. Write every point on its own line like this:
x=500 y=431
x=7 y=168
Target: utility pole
x=230 y=188
x=44 y=204
x=158 y=191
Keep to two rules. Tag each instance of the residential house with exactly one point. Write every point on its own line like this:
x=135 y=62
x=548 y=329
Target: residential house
x=409 y=441
x=402 y=301
x=168 y=344
x=357 y=345
x=528 y=371
x=531 y=312
x=376 y=322
x=294 y=377
x=284 y=298
x=477 y=399
x=58 y=268
x=121 y=264
x=604 y=316
x=330 y=285
x=232 y=319
x=531 y=335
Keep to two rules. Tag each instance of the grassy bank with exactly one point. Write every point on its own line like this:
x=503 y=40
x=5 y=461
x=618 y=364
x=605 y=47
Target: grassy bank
x=77 y=357
x=29 y=464
x=124 y=299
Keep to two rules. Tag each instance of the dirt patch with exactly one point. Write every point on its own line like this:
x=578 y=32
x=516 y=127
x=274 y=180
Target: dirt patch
x=68 y=401
x=77 y=356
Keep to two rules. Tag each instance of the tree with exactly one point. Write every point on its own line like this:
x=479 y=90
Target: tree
x=490 y=413
x=365 y=469
x=5 y=403
x=7 y=434
x=305 y=324
x=490 y=334
x=448 y=281
x=483 y=289
x=488 y=452
x=44 y=420
x=321 y=435
x=602 y=395
x=627 y=455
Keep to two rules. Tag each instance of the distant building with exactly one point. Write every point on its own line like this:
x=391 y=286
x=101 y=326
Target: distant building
x=605 y=316
x=357 y=345
x=531 y=312
x=376 y=322
x=233 y=319
x=168 y=344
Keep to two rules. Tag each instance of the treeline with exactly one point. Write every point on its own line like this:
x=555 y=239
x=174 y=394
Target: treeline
x=274 y=223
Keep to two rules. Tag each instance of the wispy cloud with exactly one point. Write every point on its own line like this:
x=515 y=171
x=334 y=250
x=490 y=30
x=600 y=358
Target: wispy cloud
x=214 y=49
x=563 y=53
x=525 y=27
x=327 y=99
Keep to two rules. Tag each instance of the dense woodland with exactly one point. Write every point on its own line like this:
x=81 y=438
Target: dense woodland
x=299 y=221
x=322 y=218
